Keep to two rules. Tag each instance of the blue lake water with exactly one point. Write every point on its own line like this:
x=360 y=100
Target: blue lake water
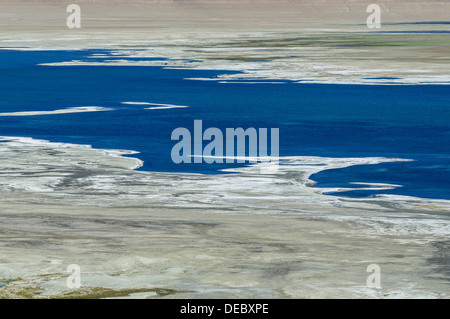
x=331 y=120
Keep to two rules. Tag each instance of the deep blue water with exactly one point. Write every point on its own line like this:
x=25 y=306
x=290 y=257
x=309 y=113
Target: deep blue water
x=404 y=121
x=415 y=31
x=423 y=22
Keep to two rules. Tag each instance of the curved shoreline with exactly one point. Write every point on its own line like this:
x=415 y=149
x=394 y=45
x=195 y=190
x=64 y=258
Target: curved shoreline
x=302 y=166
x=137 y=231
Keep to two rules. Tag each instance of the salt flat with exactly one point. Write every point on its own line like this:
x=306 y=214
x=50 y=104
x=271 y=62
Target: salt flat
x=308 y=41
x=200 y=236
x=243 y=235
